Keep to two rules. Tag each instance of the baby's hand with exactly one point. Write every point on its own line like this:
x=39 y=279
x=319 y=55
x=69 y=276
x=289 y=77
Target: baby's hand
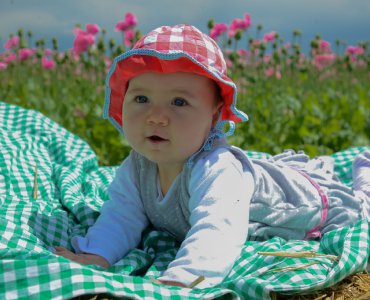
x=83 y=258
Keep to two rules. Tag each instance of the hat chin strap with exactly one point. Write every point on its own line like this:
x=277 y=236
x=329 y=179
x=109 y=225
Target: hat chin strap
x=221 y=125
x=215 y=133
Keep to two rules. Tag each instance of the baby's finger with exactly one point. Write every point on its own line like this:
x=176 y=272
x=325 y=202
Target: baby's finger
x=59 y=249
x=63 y=252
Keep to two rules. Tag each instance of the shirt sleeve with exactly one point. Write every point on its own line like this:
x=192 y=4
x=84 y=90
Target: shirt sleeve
x=122 y=219
x=221 y=187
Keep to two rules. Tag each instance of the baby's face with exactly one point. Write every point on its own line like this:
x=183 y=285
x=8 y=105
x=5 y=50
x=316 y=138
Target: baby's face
x=167 y=117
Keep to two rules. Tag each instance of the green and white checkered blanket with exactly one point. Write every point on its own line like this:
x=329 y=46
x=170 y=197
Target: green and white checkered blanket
x=71 y=189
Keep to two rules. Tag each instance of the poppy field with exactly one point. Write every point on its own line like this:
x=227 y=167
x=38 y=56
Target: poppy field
x=316 y=100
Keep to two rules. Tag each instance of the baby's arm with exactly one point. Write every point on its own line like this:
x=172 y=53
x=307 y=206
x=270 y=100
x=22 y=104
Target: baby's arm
x=120 y=224
x=219 y=206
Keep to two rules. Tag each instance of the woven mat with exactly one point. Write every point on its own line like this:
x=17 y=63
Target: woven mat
x=52 y=188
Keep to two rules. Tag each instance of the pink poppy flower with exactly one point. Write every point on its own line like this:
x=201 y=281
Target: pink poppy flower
x=48 y=52
x=244 y=55
x=217 y=30
x=248 y=20
x=243 y=52
x=61 y=55
x=92 y=28
x=239 y=24
x=25 y=53
x=129 y=22
x=323 y=60
x=82 y=41
x=256 y=43
x=269 y=72
x=74 y=55
x=361 y=63
x=324 y=46
x=353 y=50
x=77 y=31
x=229 y=63
x=267 y=58
x=3 y=65
x=131 y=19
x=12 y=42
x=121 y=26
x=353 y=58
x=278 y=74
x=107 y=62
x=360 y=50
x=129 y=37
x=270 y=36
x=47 y=64
x=10 y=57
x=302 y=58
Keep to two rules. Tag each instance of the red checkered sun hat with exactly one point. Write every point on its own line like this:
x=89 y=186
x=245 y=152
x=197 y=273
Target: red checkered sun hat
x=168 y=49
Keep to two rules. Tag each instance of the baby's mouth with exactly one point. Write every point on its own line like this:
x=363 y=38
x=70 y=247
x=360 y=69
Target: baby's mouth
x=156 y=139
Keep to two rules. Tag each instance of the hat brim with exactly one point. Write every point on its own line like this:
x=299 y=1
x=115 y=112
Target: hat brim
x=139 y=61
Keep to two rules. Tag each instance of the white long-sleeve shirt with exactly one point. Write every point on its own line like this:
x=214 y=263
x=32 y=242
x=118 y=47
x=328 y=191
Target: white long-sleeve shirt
x=218 y=205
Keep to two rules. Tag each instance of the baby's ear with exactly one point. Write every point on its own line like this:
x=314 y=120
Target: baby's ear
x=216 y=113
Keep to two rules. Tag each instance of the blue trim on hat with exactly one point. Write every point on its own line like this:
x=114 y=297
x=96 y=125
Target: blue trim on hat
x=107 y=98
x=221 y=124
x=167 y=56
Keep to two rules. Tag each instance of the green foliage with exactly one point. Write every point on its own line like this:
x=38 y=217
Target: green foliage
x=305 y=113
x=300 y=106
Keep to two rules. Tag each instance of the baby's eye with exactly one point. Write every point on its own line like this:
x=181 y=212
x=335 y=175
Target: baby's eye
x=179 y=102
x=141 y=99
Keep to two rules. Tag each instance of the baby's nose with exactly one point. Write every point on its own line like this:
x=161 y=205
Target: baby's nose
x=158 y=116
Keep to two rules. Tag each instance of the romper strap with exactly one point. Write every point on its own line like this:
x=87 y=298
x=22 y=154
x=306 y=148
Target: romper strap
x=315 y=232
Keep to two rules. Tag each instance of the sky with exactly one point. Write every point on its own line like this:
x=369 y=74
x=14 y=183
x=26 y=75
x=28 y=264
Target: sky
x=346 y=20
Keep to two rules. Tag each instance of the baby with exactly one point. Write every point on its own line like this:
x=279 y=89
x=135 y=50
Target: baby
x=171 y=98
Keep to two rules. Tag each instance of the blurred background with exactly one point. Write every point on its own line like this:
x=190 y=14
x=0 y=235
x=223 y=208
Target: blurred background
x=347 y=20
x=302 y=67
